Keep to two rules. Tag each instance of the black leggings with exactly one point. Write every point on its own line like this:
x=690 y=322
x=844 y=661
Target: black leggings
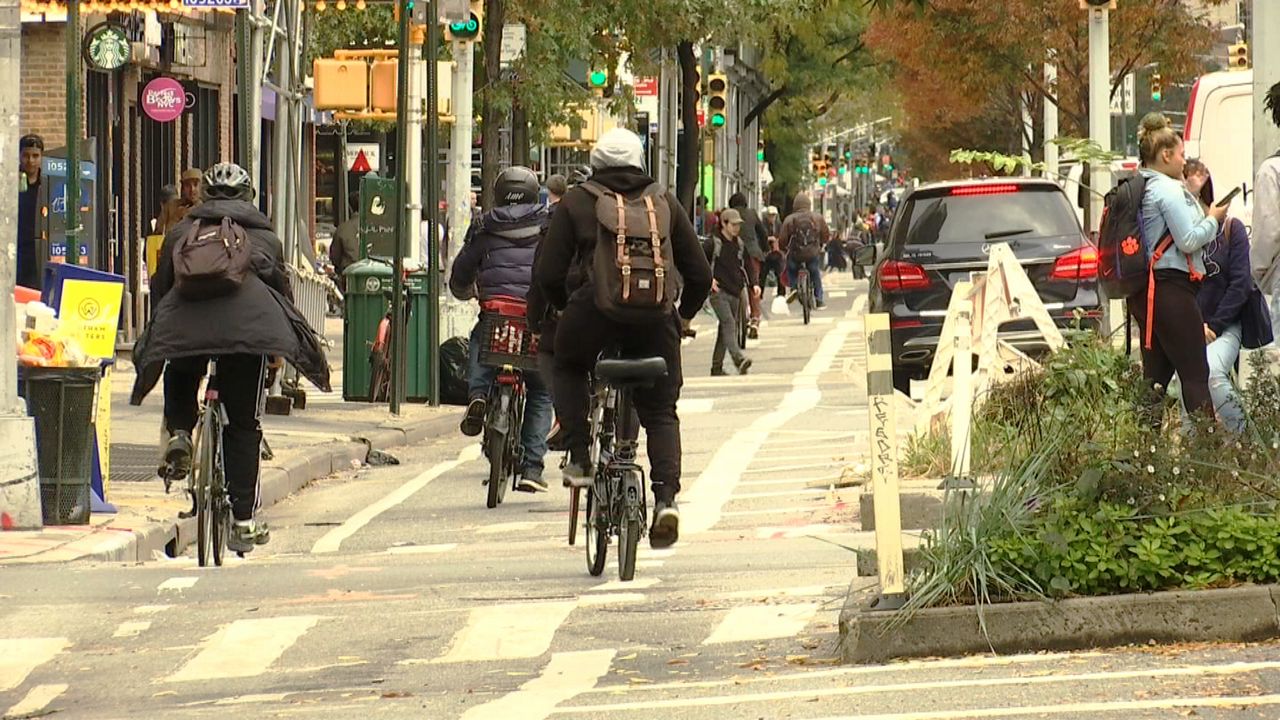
x=1177 y=340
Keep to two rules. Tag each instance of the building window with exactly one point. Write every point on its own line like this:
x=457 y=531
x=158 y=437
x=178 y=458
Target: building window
x=207 y=139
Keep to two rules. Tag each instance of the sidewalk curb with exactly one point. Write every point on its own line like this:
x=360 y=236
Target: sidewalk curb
x=277 y=482
x=1242 y=614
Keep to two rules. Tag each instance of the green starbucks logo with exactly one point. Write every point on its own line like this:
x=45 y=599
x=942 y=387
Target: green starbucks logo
x=106 y=47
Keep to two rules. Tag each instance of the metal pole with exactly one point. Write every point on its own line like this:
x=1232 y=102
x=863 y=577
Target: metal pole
x=1050 y=123
x=432 y=261
x=1099 y=106
x=460 y=167
x=280 y=138
x=403 y=232
x=1266 y=72
x=413 y=152
x=73 y=132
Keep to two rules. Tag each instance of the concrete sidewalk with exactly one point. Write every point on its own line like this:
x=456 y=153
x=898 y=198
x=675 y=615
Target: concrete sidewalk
x=327 y=436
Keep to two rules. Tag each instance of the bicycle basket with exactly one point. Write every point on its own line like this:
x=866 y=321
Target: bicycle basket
x=505 y=340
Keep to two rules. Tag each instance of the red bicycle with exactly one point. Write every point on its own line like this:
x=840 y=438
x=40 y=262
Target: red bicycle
x=380 y=350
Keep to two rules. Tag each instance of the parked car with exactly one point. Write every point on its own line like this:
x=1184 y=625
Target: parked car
x=943 y=234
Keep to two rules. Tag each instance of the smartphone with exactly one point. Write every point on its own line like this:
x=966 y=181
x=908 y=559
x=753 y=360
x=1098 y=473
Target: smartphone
x=1230 y=196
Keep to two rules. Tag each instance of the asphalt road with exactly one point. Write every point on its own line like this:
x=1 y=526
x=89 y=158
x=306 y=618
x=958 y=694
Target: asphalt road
x=393 y=592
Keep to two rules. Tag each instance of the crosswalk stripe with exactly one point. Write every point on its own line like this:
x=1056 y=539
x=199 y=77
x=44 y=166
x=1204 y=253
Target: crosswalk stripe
x=505 y=632
x=245 y=648
x=19 y=656
x=762 y=622
x=178 y=583
x=36 y=700
x=566 y=676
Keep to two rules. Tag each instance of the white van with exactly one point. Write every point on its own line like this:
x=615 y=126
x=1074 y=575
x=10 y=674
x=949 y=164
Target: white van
x=1219 y=133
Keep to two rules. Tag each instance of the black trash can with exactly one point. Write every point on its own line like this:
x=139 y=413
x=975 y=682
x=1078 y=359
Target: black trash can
x=61 y=401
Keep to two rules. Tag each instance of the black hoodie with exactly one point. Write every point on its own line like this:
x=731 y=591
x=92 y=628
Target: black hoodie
x=574 y=231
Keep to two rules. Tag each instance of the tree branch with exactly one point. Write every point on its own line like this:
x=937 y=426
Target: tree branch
x=763 y=105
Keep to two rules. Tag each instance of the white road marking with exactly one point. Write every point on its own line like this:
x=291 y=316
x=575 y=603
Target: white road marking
x=36 y=700
x=566 y=676
x=332 y=540
x=1030 y=680
x=178 y=584
x=837 y=293
x=505 y=632
x=649 y=564
x=132 y=628
x=421 y=549
x=715 y=485
x=151 y=609
x=641 y=584
x=792 y=468
x=19 y=656
x=1127 y=706
x=610 y=599
x=860 y=304
x=245 y=648
x=762 y=622
x=695 y=406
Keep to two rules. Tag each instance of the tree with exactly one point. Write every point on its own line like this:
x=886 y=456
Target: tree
x=966 y=68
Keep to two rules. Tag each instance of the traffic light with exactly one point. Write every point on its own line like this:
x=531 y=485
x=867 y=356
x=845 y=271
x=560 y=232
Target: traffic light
x=598 y=79
x=760 y=152
x=462 y=31
x=718 y=99
x=1238 y=56
x=1157 y=88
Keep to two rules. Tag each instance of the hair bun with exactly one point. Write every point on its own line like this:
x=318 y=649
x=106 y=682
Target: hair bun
x=1153 y=123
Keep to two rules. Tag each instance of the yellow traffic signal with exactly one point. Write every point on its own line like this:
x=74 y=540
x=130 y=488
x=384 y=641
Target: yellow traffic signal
x=718 y=100
x=1157 y=88
x=384 y=85
x=340 y=84
x=1238 y=56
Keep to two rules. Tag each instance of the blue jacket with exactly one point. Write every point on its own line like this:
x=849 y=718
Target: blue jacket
x=1167 y=206
x=497 y=256
x=1224 y=293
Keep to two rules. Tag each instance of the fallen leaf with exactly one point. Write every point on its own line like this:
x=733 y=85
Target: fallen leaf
x=677 y=661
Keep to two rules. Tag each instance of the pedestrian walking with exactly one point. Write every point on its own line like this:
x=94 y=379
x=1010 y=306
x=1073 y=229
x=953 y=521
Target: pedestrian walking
x=1235 y=313
x=1176 y=230
x=731 y=273
x=344 y=249
x=774 y=262
x=1266 y=219
x=755 y=240
x=176 y=209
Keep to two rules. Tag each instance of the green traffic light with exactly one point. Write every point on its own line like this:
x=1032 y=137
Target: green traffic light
x=598 y=78
x=717 y=120
x=470 y=28
x=760 y=155
x=822 y=182
x=1156 y=97
x=843 y=170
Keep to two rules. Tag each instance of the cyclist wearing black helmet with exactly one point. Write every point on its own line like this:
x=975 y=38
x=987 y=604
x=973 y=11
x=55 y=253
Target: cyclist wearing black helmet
x=241 y=324
x=497 y=260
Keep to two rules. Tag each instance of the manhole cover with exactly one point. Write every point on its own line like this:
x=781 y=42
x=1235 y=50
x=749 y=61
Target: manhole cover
x=133 y=463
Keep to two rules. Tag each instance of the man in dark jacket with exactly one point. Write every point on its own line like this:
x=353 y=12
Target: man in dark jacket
x=497 y=261
x=30 y=167
x=585 y=331
x=731 y=271
x=755 y=239
x=240 y=329
x=804 y=235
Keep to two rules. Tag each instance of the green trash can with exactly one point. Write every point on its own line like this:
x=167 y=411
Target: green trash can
x=368 y=287
x=421 y=354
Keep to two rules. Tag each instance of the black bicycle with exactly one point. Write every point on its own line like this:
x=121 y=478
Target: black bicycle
x=380 y=349
x=804 y=288
x=617 y=504
x=506 y=344
x=207 y=480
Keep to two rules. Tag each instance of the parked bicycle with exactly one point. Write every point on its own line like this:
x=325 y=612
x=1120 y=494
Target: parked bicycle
x=506 y=344
x=380 y=349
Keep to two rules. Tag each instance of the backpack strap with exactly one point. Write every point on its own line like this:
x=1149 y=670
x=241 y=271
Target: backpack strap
x=1161 y=248
x=659 y=268
x=622 y=257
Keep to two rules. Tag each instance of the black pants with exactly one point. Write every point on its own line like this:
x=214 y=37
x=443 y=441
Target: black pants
x=585 y=332
x=774 y=263
x=239 y=381
x=1177 y=340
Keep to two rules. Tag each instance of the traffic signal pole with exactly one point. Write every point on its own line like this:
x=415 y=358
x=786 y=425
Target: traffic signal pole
x=403 y=231
x=432 y=150
x=456 y=312
x=1099 y=105
x=19 y=482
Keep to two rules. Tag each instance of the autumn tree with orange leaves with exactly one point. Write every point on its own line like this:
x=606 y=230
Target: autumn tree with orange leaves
x=965 y=68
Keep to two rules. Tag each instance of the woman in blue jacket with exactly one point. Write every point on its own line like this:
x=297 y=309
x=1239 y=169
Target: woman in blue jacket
x=1235 y=314
x=1174 y=224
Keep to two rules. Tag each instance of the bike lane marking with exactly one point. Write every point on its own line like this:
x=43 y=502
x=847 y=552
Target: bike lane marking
x=245 y=648
x=19 y=656
x=331 y=541
x=507 y=632
x=566 y=676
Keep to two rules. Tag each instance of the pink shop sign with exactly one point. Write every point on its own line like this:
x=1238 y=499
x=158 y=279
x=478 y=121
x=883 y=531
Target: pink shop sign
x=164 y=99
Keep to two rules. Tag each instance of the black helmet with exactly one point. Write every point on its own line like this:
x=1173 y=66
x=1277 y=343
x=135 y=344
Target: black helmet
x=581 y=174
x=516 y=186
x=227 y=181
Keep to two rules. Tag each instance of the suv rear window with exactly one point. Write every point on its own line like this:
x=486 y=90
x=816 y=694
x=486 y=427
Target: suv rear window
x=940 y=217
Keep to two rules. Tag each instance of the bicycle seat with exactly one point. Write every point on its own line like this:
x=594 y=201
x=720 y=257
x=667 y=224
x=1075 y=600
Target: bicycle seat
x=631 y=371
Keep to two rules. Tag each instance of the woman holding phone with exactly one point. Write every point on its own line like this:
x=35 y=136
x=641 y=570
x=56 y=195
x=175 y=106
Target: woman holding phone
x=1235 y=313
x=1177 y=229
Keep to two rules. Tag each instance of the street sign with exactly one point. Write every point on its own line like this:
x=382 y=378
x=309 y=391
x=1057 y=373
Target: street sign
x=379 y=216
x=1123 y=101
x=363 y=157
x=646 y=87
x=513 y=42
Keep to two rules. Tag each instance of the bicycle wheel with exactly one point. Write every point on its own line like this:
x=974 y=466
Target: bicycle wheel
x=499 y=444
x=806 y=298
x=744 y=309
x=575 y=500
x=379 y=375
x=597 y=534
x=201 y=483
x=219 y=503
x=629 y=531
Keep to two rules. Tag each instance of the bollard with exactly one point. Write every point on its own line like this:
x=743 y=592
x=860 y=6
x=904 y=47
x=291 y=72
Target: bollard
x=882 y=409
x=961 y=398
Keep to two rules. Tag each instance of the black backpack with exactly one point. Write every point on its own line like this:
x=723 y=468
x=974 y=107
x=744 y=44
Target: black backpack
x=631 y=265
x=212 y=259
x=1124 y=256
x=806 y=239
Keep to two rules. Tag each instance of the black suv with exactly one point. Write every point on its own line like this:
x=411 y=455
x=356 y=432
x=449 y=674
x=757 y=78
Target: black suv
x=943 y=234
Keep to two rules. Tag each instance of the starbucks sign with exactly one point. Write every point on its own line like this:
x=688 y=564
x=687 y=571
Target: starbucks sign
x=106 y=46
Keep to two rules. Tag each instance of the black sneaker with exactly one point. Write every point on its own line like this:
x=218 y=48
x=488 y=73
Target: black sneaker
x=577 y=472
x=744 y=365
x=718 y=372
x=666 y=524
x=531 y=481
x=819 y=305
x=245 y=535
x=177 y=456
x=473 y=422
x=753 y=332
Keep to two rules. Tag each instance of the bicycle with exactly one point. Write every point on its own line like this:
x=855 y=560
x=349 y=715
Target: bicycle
x=506 y=344
x=206 y=482
x=804 y=288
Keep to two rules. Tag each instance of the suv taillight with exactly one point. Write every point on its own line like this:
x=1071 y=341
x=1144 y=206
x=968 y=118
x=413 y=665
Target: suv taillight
x=898 y=276
x=1079 y=264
